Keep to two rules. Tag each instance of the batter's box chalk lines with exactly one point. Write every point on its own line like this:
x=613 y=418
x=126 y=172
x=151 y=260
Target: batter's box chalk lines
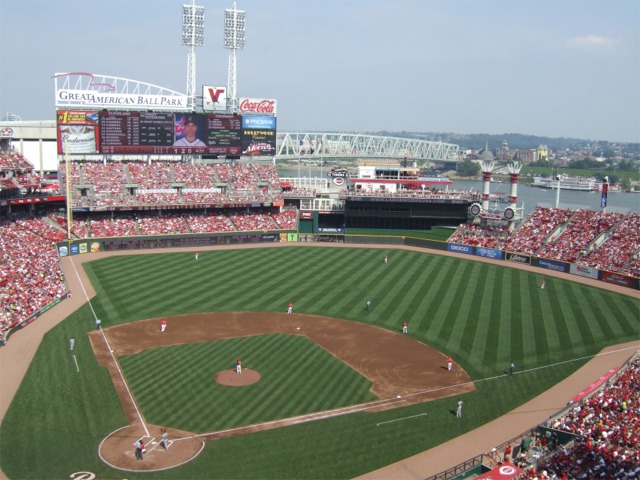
x=400 y=419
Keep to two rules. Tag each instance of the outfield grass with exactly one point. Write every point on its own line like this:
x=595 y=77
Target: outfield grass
x=484 y=315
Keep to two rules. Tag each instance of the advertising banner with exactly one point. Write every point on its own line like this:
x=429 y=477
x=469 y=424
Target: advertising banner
x=257 y=106
x=518 y=258
x=617 y=279
x=251 y=122
x=488 y=253
x=78 y=131
x=258 y=142
x=452 y=247
x=583 y=271
x=554 y=265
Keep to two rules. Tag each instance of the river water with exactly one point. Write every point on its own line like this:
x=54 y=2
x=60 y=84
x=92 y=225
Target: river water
x=528 y=197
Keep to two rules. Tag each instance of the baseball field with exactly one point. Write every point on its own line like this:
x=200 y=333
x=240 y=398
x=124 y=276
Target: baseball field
x=484 y=315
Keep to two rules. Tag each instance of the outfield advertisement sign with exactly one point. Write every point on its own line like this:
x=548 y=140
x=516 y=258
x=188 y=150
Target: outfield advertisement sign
x=518 y=258
x=583 y=271
x=489 y=253
x=553 y=265
x=452 y=247
x=617 y=279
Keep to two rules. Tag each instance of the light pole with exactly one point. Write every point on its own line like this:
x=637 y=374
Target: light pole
x=233 y=40
x=192 y=37
x=558 y=191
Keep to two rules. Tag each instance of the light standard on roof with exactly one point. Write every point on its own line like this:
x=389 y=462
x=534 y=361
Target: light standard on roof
x=233 y=40
x=558 y=177
x=192 y=37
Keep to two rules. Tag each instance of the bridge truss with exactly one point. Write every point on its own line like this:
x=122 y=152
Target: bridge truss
x=292 y=145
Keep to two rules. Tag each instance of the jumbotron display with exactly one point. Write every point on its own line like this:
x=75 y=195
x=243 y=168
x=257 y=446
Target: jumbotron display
x=159 y=133
x=168 y=133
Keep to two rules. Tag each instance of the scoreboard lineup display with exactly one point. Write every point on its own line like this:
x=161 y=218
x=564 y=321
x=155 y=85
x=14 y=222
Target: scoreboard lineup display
x=135 y=132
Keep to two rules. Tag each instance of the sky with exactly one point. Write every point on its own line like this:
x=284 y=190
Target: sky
x=553 y=68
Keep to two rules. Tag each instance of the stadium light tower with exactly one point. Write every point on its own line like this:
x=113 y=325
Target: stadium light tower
x=192 y=37
x=233 y=40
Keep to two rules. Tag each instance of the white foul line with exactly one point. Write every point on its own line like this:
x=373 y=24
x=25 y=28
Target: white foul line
x=124 y=381
x=400 y=419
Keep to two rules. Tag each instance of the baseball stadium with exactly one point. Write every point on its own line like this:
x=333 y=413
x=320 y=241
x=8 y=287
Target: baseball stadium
x=178 y=309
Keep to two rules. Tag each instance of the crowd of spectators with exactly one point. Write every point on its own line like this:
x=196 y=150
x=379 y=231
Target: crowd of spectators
x=582 y=229
x=620 y=250
x=104 y=185
x=30 y=273
x=475 y=235
x=607 y=425
x=604 y=240
x=530 y=237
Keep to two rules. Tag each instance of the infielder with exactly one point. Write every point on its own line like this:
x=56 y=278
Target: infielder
x=163 y=325
x=449 y=363
x=290 y=309
x=405 y=328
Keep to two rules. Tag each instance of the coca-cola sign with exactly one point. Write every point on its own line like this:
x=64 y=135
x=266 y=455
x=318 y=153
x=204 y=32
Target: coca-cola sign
x=261 y=106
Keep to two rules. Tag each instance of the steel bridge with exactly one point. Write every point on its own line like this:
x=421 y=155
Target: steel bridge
x=309 y=145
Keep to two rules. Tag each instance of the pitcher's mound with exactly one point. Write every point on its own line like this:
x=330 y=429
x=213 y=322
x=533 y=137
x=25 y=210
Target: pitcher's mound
x=233 y=379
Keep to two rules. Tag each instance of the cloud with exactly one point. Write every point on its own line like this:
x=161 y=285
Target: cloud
x=590 y=42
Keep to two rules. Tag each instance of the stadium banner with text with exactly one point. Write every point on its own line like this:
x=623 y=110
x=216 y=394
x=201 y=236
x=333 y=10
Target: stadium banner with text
x=453 y=247
x=257 y=106
x=99 y=100
x=583 y=271
x=258 y=142
x=77 y=131
x=554 y=265
x=618 y=279
x=518 y=258
x=489 y=253
x=253 y=122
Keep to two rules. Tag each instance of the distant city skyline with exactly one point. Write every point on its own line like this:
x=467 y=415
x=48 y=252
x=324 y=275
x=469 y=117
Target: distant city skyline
x=549 y=68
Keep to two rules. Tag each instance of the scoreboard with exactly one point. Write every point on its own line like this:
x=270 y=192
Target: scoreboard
x=161 y=133
x=169 y=134
x=135 y=132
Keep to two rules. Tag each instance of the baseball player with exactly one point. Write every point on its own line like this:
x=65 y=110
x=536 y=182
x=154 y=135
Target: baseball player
x=405 y=328
x=367 y=305
x=542 y=285
x=386 y=259
x=163 y=325
x=197 y=255
x=459 y=411
x=238 y=366
x=72 y=343
x=449 y=363
x=290 y=308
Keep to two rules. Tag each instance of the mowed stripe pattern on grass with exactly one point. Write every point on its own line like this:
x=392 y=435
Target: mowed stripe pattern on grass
x=483 y=315
x=175 y=385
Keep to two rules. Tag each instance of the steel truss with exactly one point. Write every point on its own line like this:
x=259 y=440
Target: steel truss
x=312 y=145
